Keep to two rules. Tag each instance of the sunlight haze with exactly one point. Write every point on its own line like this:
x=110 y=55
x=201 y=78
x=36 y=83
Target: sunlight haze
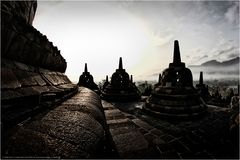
x=142 y=33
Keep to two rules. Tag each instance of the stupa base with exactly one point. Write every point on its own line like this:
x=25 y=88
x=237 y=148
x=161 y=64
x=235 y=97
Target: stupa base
x=176 y=109
x=121 y=97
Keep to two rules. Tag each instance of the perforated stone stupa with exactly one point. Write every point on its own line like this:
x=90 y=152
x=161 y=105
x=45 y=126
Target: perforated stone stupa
x=175 y=96
x=121 y=88
x=86 y=80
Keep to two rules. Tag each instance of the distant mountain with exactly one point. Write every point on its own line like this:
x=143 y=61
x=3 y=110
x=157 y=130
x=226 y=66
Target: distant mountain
x=213 y=69
x=215 y=63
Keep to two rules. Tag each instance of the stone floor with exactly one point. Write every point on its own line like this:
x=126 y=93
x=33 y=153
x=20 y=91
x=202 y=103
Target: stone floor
x=138 y=135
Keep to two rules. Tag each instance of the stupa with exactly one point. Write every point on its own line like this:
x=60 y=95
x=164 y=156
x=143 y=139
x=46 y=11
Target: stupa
x=202 y=88
x=175 y=96
x=86 y=80
x=159 y=81
x=121 y=88
x=106 y=82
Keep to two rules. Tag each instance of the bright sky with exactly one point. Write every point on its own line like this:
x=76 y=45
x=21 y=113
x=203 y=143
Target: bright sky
x=141 y=32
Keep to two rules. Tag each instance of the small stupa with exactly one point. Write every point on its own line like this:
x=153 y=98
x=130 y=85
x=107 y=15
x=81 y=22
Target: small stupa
x=86 y=80
x=202 y=88
x=159 y=81
x=175 y=96
x=121 y=88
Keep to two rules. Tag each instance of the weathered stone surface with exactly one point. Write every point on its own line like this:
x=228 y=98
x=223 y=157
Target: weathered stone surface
x=61 y=132
x=22 y=41
x=41 y=146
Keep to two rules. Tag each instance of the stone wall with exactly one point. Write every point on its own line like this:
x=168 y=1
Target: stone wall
x=24 y=9
x=32 y=68
x=23 y=43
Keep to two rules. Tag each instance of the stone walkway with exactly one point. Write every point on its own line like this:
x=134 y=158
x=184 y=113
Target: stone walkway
x=143 y=136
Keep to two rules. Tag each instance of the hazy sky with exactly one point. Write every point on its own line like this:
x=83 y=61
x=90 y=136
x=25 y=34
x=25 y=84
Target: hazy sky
x=141 y=32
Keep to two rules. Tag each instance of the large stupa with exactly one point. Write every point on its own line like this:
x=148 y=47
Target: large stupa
x=175 y=95
x=121 y=88
x=86 y=80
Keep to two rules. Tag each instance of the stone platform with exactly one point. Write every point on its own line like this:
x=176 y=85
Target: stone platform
x=138 y=135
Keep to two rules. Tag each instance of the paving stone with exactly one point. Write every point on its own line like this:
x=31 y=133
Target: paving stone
x=167 y=137
x=165 y=147
x=142 y=124
x=170 y=155
x=129 y=143
x=179 y=147
x=122 y=130
x=149 y=137
x=158 y=141
x=115 y=123
x=157 y=132
x=113 y=114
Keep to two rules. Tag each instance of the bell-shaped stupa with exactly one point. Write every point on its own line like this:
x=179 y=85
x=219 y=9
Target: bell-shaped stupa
x=121 y=88
x=86 y=80
x=175 y=96
x=202 y=88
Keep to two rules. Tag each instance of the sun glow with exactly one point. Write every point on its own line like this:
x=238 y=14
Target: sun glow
x=97 y=39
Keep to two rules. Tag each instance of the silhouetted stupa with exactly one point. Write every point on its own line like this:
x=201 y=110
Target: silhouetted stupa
x=120 y=88
x=175 y=96
x=202 y=88
x=106 y=82
x=86 y=80
x=159 y=81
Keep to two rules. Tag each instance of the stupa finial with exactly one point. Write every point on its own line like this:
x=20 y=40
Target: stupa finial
x=201 y=78
x=120 y=63
x=176 y=53
x=106 y=78
x=85 y=69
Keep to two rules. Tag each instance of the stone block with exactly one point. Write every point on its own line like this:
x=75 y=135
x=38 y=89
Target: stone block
x=39 y=80
x=9 y=79
x=25 y=78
